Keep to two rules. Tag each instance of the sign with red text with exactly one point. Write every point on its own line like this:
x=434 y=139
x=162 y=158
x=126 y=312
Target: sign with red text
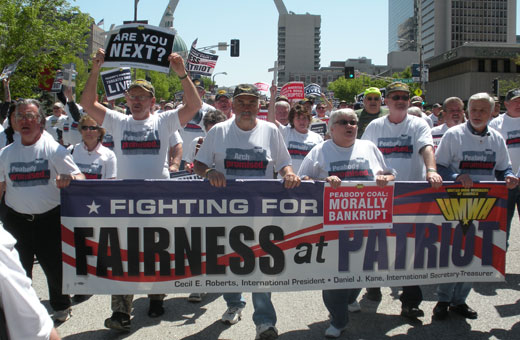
x=263 y=88
x=356 y=205
x=293 y=91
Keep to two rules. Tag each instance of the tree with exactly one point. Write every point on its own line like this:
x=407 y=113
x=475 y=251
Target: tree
x=347 y=89
x=46 y=33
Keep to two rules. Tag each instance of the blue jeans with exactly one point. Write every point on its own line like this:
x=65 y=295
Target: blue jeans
x=513 y=200
x=337 y=301
x=454 y=292
x=264 y=310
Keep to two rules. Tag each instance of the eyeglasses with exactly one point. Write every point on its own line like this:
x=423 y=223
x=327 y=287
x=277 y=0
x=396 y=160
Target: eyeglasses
x=345 y=122
x=373 y=98
x=140 y=98
x=91 y=128
x=27 y=116
x=403 y=97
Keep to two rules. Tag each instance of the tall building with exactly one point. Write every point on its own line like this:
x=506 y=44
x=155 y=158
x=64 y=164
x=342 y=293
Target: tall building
x=447 y=24
x=298 y=43
x=402 y=25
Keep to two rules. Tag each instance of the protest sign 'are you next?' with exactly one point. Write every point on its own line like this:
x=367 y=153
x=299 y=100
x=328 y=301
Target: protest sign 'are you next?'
x=140 y=46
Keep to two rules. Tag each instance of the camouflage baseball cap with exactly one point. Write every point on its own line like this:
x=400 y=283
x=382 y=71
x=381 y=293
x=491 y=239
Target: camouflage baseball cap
x=144 y=84
x=246 y=90
x=396 y=86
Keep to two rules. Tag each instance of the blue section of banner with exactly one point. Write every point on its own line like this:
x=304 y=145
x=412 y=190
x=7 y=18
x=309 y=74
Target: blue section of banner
x=115 y=198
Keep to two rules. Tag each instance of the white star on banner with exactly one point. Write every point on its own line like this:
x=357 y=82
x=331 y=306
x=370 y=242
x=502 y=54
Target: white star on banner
x=93 y=208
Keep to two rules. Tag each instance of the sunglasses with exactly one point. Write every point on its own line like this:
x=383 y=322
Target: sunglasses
x=397 y=97
x=346 y=122
x=373 y=98
x=139 y=98
x=91 y=128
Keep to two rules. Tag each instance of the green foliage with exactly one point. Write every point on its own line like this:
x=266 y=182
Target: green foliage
x=47 y=33
x=506 y=85
x=347 y=89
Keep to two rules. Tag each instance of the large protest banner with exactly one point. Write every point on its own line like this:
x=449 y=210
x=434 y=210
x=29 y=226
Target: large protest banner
x=140 y=46
x=122 y=237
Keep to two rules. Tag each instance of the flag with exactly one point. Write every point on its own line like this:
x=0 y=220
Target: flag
x=194 y=44
x=101 y=22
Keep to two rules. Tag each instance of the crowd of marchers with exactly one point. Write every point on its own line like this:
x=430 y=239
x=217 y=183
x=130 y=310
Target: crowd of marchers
x=464 y=141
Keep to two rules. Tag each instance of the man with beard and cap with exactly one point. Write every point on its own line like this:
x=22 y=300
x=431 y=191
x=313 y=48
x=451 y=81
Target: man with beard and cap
x=223 y=102
x=407 y=146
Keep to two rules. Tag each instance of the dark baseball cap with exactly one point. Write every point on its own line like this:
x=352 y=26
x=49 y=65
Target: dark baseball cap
x=222 y=93
x=144 y=84
x=246 y=90
x=198 y=83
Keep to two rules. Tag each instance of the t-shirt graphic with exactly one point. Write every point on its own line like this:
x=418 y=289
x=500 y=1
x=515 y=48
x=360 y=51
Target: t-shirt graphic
x=194 y=124
x=247 y=163
x=352 y=169
x=478 y=162
x=91 y=171
x=513 y=139
x=140 y=142
x=396 y=147
x=299 y=150
x=30 y=174
x=108 y=141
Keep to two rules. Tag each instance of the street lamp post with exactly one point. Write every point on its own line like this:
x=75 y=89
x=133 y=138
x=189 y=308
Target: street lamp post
x=216 y=74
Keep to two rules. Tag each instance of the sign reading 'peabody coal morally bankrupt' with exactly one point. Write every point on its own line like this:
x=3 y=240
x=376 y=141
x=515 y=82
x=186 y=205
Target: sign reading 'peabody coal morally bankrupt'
x=122 y=237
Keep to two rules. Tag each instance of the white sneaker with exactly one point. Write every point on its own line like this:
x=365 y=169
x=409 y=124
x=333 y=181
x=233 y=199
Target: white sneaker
x=232 y=315
x=354 y=307
x=266 y=331
x=62 y=315
x=333 y=332
x=195 y=297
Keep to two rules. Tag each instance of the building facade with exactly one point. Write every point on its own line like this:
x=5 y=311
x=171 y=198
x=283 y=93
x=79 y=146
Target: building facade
x=299 y=43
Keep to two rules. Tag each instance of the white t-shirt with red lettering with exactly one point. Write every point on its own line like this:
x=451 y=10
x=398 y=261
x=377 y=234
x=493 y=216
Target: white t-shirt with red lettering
x=299 y=144
x=99 y=163
x=240 y=154
x=30 y=173
x=141 y=146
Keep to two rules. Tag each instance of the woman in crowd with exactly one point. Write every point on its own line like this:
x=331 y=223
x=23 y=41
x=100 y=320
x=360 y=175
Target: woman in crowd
x=343 y=157
x=93 y=159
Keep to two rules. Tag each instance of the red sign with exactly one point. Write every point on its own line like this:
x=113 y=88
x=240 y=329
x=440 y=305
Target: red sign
x=293 y=90
x=358 y=206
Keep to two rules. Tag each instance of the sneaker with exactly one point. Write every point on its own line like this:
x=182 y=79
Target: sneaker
x=440 y=311
x=354 y=307
x=62 y=315
x=411 y=312
x=232 y=315
x=374 y=294
x=266 y=331
x=195 y=297
x=156 y=308
x=333 y=332
x=118 y=321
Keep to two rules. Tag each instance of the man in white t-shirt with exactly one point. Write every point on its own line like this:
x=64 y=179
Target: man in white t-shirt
x=508 y=125
x=54 y=123
x=454 y=114
x=141 y=143
x=223 y=103
x=406 y=143
x=28 y=168
x=246 y=147
x=471 y=152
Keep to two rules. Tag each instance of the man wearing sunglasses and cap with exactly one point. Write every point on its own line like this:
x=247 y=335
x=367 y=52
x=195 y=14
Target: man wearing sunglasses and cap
x=407 y=146
x=371 y=109
x=141 y=142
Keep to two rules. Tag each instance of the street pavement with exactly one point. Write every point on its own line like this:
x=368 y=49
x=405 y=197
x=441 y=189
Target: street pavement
x=302 y=315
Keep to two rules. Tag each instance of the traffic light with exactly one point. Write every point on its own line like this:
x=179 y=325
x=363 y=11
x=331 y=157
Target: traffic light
x=235 y=47
x=349 y=73
x=496 y=88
